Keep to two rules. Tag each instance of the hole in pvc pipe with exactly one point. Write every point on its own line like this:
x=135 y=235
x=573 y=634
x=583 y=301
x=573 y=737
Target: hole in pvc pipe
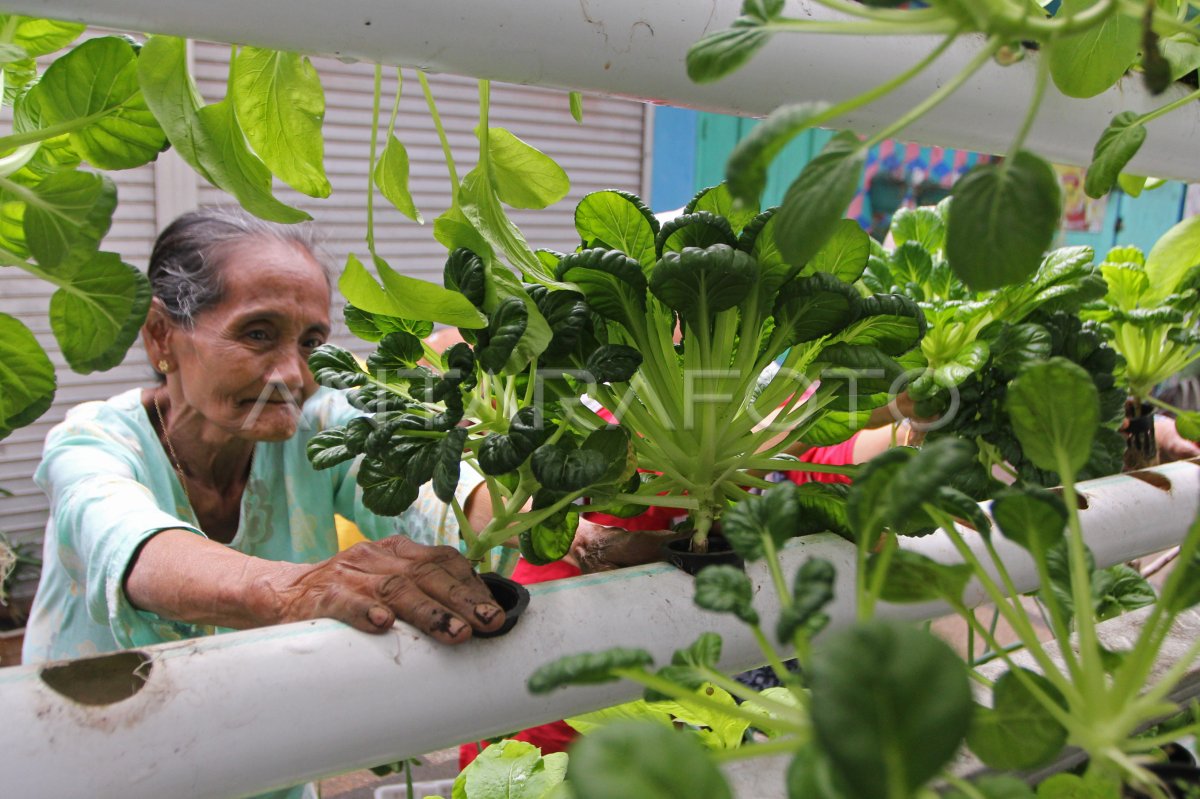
x=1160 y=481
x=1081 y=500
x=102 y=680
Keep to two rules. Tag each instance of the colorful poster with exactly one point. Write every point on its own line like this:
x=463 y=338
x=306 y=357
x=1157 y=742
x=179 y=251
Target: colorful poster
x=1080 y=212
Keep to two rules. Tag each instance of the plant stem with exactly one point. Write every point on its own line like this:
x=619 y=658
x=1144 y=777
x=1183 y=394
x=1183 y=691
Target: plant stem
x=1092 y=667
x=441 y=132
x=371 y=162
x=1150 y=116
x=1039 y=91
x=669 y=688
x=773 y=659
x=748 y=694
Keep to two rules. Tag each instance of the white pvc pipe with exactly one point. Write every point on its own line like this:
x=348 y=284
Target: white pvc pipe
x=244 y=712
x=635 y=48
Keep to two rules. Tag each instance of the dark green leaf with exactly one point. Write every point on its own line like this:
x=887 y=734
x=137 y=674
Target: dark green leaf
x=772 y=516
x=68 y=212
x=505 y=329
x=328 y=448
x=698 y=284
x=372 y=327
x=867 y=504
x=464 y=273
x=725 y=589
x=587 y=669
x=1055 y=412
x=335 y=367
x=891 y=323
x=811 y=307
x=700 y=230
x=617 y=220
x=613 y=363
x=612 y=283
x=719 y=201
x=822 y=506
x=1018 y=345
x=1117 y=146
x=562 y=468
x=1018 y=731
x=449 y=459
x=721 y=53
x=396 y=357
x=913 y=577
x=818 y=198
x=613 y=444
x=500 y=454
x=812 y=591
x=845 y=254
x=566 y=313
x=643 y=760
x=919 y=480
x=27 y=380
x=383 y=492
x=890 y=706
x=746 y=169
x=1120 y=589
x=1004 y=216
x=810 y=777
x=862 y=376
x=911 y=263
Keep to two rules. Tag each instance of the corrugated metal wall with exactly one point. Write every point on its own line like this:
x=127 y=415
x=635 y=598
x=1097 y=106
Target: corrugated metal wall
x=606 y=151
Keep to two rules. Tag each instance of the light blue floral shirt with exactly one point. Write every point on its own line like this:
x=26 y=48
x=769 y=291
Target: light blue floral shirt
x=111 y=487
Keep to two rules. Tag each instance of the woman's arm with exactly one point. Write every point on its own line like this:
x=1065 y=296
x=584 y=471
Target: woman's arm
x=179 y=575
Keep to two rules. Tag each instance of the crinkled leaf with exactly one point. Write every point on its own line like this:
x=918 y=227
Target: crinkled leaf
x=396 y=356
x=1120 y=589
x=892 y=323
x=698 y=284
x=1055 y=412
x=617 y=220
x=822 y=506
x=566 y=312
x=1116 y=147
x=700 y=230
x=281 y=106
x=613 y=363
x=890 y=706
x=551 y=539
x=383 y=492
x=1018 y=345
x=523 y=176
x=587 y=669
x=860 y=376
x=811 y=307
x=98 y=80
x=612 y=283
x=500 y=454
x=561 y=467
x=919 y=479
x=1018 y=731
x=449 y=460
x=614 y=445
x=27 y=381
x=719 y=201
x=923 y=226
x=818 y=198
x=329 y=448
x=845 y=254
x=746 y=169
x=464 y=272
x=772 y=516
x=812 y=591
x=98 y=310
x=1004 y=216
x=335 y=367
x=867 y=503
x=505 y=329
x=725 y=589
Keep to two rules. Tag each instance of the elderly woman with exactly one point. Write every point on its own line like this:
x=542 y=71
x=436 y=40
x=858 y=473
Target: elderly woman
x=191 y=505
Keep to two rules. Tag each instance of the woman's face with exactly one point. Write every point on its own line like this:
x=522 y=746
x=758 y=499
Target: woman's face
x=244 y=366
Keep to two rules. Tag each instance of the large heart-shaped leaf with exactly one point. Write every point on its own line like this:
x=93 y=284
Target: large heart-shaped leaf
x=523 y=176
x=612 y=282
x=1086 y=63
x=68 y=211
x=746 y=169
x=27 y=380
x=698 y=284
x=617 y=220
x=405 y=297
x=98 y=310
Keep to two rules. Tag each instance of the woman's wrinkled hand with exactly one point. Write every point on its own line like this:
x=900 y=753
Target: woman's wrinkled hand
x=373 y=583
x=598 y=548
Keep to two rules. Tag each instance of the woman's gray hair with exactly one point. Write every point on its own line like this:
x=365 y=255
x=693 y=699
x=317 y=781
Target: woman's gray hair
x=185 y=266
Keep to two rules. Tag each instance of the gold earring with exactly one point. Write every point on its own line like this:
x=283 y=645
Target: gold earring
x=164 y=366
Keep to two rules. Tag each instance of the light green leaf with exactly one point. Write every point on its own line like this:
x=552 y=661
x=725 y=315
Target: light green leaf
x=513 y=770
x=1187 y=424
x=619 y=221
x=523 y=176
x=1117 y=145
x=280 y=106
x=639 y=710
x=405 y=297
x=647 y=761
x=41 y=37
x=1176 y=252
x=391 y=176
x=723 y=52
x=1086 y=63
x=207 y=138
x=576 y=101
x=1055 y=412
x=818 y=198
x=1126 y=285
x=924 y=226
x=716 y=730
x=98 y=80
x=777 y=694
x=98 y=310
x=68 y=211
x=1132 y=184
x=27 y=380
x=1182 y=53
x=1003 y=218
x=913 y=577
x=845 y=254
x=248 y=177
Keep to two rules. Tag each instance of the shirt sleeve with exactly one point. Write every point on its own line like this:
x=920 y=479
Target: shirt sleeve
x=102 y=514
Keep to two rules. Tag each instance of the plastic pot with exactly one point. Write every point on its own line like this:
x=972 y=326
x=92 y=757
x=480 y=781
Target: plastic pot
x=510 y=596
x=1141 y=446
x=679 y=554
x=1182 y=782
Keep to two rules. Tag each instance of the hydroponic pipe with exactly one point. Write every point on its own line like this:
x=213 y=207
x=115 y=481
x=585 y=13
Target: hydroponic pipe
x=244 y=712
x=635 y=48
